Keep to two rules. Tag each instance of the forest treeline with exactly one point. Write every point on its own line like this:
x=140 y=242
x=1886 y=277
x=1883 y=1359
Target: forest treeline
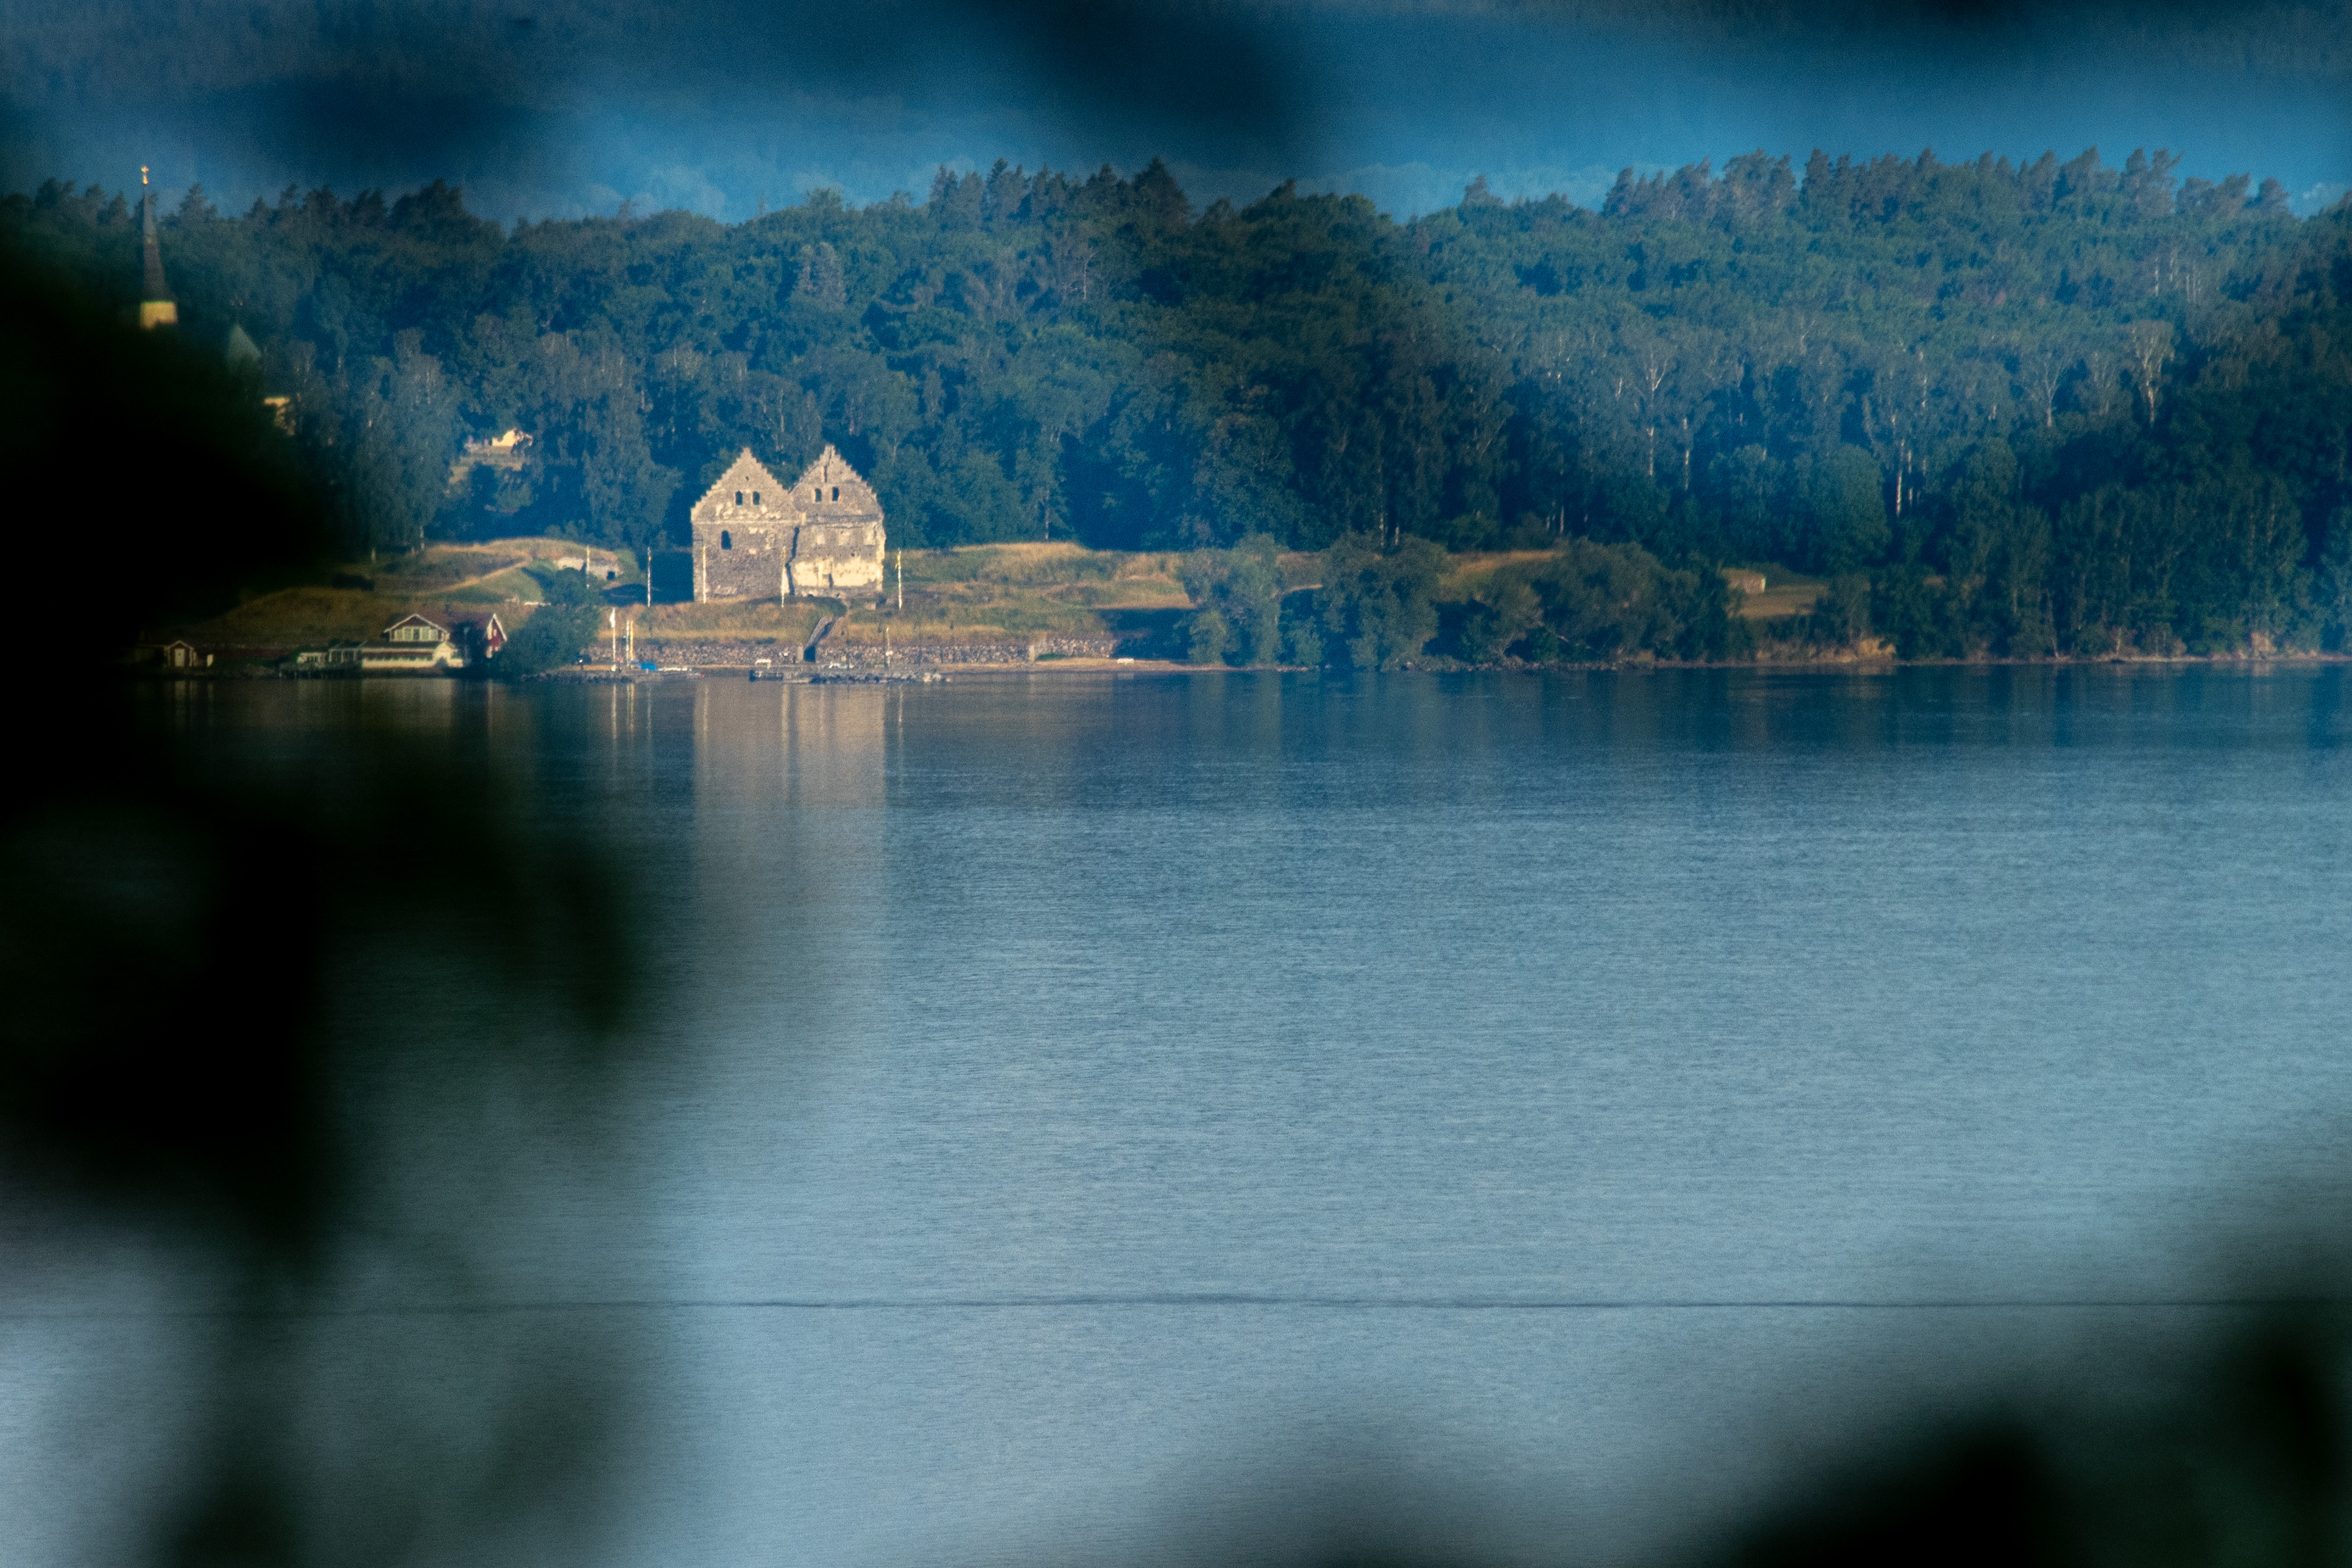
x=2010 y=409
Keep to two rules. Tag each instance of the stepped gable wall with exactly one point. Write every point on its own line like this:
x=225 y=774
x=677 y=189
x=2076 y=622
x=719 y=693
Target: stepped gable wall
x=755 y=537
x=841 y=540
x=743 y=529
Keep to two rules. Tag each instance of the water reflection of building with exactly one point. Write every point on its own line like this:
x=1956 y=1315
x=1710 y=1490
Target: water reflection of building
x=788 y=744
x=786 y=833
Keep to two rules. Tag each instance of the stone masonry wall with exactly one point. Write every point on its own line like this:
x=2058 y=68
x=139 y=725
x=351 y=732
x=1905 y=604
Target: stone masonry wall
x=743 y=528
x=840 y=542
x=754 y=536
x=750 y=563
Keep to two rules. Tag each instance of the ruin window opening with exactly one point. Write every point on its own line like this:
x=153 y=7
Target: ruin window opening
x=755 y=497
x=739 y=497
x=837 y=492
x=726 y=539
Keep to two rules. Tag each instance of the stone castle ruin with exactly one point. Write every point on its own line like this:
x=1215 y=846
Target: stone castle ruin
x=755 y=536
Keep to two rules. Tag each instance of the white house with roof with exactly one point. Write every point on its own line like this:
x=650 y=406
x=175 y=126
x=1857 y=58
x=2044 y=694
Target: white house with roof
x=415 y=644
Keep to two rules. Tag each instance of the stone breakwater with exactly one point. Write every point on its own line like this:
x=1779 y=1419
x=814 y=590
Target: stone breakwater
x=718 y=654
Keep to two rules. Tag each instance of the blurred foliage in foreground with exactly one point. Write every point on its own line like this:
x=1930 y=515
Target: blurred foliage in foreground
x=171 y=1060
x=186 y=926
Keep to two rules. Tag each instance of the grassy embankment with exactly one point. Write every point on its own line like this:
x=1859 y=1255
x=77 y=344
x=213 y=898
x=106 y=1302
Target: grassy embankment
x=975 y=596
x=996 y=595
x=1786 y=592
x=364 y=597
x=978 y=594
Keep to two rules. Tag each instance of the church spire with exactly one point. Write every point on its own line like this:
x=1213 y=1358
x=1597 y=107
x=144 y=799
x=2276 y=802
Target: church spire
x=156 y=306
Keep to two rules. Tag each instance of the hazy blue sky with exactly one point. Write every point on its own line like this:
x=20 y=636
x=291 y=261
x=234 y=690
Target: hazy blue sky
x=550 y=108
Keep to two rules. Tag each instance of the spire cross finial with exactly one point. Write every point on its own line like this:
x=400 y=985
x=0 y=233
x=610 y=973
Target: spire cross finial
x=143 y=174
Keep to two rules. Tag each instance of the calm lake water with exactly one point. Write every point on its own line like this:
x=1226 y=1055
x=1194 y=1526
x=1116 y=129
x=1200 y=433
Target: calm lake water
x=1082 y=1116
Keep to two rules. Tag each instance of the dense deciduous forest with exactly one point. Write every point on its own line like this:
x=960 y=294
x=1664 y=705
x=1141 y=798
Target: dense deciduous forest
x=2010 y=410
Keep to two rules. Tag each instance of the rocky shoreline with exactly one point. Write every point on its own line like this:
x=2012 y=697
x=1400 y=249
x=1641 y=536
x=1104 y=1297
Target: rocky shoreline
x=831 y=655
